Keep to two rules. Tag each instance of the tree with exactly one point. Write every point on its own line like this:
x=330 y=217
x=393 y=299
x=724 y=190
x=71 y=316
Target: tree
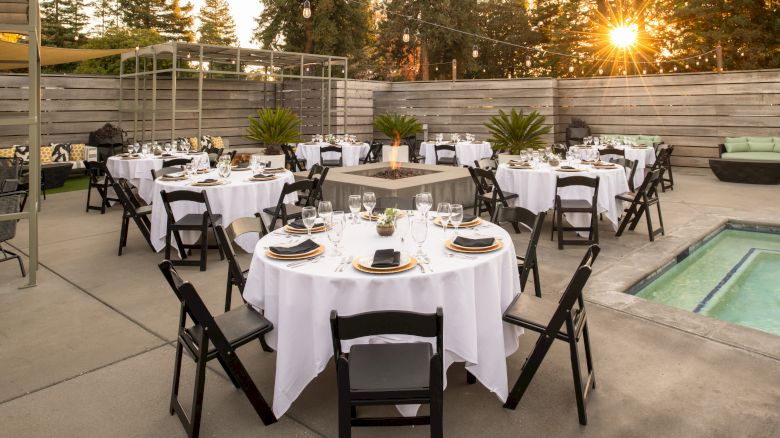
x=216 y=24
x=116 y=38
x=168 y=18
x=177 y=22
x=336 y=27
x=504 y=20
x=105 y=15
x=63 y=22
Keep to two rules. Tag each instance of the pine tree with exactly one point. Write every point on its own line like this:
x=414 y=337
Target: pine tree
x=142 y=14
x=216 y=24
x=63 y=22
x=105 y=15
x=177 y=21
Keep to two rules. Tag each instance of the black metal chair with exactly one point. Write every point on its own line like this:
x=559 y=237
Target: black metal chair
x=226 y=238
x=339 y=162
x=156 y=173
x=189 y=222
x=640 y=202
x=10 y=169
x=414 y=149
x=401 y=203
x=388 y=374
x=488 y=193
x=446 y=161
x=528 y=263
x=176 y=162
x=631 y=165
x=318 y=174
x=664 y=159
x=291 y=161
x=612 y=151
x=374 y=153
x=548 y=320
x=213 y=338
x=287 y=212
x=132 y=210
x=10 y=202
x=576 y=206
x=99 y=179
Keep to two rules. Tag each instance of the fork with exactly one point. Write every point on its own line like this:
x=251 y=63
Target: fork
x=303 y=262
x=450 y=255
x=343 y=263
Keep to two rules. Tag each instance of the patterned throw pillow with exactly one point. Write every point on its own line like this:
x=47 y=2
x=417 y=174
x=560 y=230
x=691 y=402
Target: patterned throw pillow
x=217 y=142
x=207 y=142
x=8 y=152
x=194 y=143
x=181 y=141
x=23 y=153
x=60 y=152
x=46 y=154
x=77 y=152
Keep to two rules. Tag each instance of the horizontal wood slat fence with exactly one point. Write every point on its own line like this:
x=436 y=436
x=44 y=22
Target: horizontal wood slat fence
x=692 y=111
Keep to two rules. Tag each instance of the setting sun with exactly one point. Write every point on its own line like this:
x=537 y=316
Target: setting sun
x=624 y=36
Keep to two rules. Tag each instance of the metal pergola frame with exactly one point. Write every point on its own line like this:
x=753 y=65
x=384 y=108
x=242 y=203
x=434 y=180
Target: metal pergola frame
x=33 y=121
x=173 y=60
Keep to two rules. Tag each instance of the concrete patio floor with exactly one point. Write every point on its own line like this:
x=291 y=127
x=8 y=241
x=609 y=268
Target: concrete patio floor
x=89 y=351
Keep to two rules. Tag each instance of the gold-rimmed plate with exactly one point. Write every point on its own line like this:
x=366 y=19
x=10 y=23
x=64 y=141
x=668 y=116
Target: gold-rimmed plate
x=356 y=264
x=366 y=262
x=218 y=182
x=270 y=178
x=313 y=253
x=568 y=170
x=471 y=224
x=496 y=246
x=375 y=216
x=520 y=166
x=317 y=229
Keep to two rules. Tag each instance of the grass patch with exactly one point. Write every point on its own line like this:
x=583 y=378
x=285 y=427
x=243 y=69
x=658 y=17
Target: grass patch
x=71 y=184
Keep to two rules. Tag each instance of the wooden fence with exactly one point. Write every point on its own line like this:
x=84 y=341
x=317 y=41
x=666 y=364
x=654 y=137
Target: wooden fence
x=692 y=111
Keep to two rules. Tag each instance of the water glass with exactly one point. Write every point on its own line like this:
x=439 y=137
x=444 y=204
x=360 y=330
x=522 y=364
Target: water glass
x=369 y=202
x=309 y=216
x=419 y=234
x=443 y=211
x=336 y=230
x=456 y=216
x=325 y=210
x=354 y=206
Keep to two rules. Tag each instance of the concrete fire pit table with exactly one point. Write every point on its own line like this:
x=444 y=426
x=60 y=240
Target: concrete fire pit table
x=446 y=183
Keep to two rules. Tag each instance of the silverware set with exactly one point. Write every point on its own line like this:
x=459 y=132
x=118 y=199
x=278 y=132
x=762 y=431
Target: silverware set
x=450 y=254
x=304 y=261
x=345 y=261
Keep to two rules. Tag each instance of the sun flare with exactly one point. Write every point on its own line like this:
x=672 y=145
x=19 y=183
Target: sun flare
x=624 y=37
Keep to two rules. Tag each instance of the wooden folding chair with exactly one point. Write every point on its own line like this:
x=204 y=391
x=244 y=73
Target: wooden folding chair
x=640 y=203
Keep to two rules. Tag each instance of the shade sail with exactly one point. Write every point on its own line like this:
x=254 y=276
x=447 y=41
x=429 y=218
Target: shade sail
x=14 y=55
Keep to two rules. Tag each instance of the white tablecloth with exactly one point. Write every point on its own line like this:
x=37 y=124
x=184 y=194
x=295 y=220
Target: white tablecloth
x=239 y=198
x=536 y=190
x=472 y=293
x=467 y=152
x=644 y=157
x=139 y=171
x=351 y=153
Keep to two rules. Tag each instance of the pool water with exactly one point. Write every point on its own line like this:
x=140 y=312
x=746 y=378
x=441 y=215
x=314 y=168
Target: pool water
x=735 y=277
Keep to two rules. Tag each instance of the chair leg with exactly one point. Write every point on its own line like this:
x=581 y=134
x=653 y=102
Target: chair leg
x=123 y=234
x=228 y=292
x=595 y=226
x=588 y=358
x=649 y=224
x=176 y=377
x=197 y=397
x=180 y=245
x=21 y=266
x=89 y=193
x=537 y=281
x=470 y=378
x=437 y=415
x=204 y=248
x=168 y=244
x=560 y=228
x=264 y=345
x=552 y=227
x=660 y=218
x=575 y=369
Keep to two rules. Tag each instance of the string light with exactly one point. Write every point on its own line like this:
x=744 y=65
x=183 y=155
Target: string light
x=675 y=68
x=406 y=35
x=661 y=70
x=644 y=71
x=571 y=69
x=475 y=51
x=528 y=61
x=306 y=9
x=601 y=71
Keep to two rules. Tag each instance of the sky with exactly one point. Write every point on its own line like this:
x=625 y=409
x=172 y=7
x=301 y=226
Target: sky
x=244 y=13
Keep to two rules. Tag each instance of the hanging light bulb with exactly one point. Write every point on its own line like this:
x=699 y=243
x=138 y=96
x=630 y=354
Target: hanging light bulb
x=306 y=9
x=687 y=66
x=601 y=71
x=675 y=68
x=571 y=69
x=475 y=51
x=661 y=70
x=483 y=70
x=698 y=63
x=189 y=55
x=644 y=71
x=437 y=68
x=528 y=61
x=406 y=35
x=76 y=38
x=742 y=54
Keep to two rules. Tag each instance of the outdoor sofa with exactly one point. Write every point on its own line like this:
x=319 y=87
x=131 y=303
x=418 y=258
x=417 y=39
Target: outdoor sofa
x=749 y=160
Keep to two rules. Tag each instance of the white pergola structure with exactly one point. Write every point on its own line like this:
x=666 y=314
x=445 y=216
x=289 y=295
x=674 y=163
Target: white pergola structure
x=143 y=70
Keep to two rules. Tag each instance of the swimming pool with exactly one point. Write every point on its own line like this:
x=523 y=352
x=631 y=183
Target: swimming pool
x=733 y=276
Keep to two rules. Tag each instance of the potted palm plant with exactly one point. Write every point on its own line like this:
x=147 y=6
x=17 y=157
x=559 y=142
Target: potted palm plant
x=396 y=126
x=513 y=132
x=274 y=127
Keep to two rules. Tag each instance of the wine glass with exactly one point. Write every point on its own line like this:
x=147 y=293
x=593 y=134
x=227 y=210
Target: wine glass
x=443 y=212
x=456 y=216
x=423 y=201
x=369 y=202
x=325 y=210
x=336 y=230
x=168 y=148
x=309 y=215
x=402 y=227
x=354 y=206
x=419 y=234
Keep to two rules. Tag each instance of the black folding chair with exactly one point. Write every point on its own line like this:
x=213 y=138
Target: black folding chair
x=156 y=173
x=665 y=162
x=10 y=202
x=533 y=222
x=487 y=164
x=287 y=212
x=631 y=165
x=132 y=210
x=447 y=161
x=374 y=153
x=388 y=374
x=548 y=320
x=176 y=162
x=100 y=179
x=640 y=202
x=612 y=151
x=488 y=193
x=414 y=149
x=318 y=174
x=291 y=161
x=339 y=162
x=576 y=206
x=401 y=203
x=213 y=338
x=201 y=222
x=226 y=238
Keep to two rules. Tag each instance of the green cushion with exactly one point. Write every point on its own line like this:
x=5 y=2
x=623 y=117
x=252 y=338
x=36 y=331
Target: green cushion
x=632 y=137
x=777 y=144
x=760 y=139
x=735 y=140
x=737 y=147
x=762 y=146
x=754 y=156
x=652 y=138
x=648 y=143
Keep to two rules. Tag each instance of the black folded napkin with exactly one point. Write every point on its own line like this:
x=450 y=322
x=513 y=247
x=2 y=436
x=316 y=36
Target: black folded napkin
x=275 y=169
x=261 y=175
x=167 y=155
x=307 y=245
x=518 y=162
x=474 y=243
x=567 y=168
x=207 y=181
x=298 y=224
x=468 y=218
x=386 y=258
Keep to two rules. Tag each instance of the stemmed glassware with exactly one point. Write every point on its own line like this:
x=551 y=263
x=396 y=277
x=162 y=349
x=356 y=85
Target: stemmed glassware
x=168 y=148
x=419 y=234
x=443 y=212
x=336 y=230
x=456 y=216
x=354 y=206
x=402 y=227
x=309 y=216
x=369 y=202
x=325 y=209
x=423 y=202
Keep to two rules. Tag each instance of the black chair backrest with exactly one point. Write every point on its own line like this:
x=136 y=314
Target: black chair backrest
x=485 y=180
x=231 y=154
x=663 y=158
x=573 y=292
x=124 y=194
x=427 y=325
x=649 y=187
x=176 y=162
x=394 y=202
x=94 y=170
x=444 y=147
x=227 y=236
x=487 y=164
x=319 y=177
x=200 y=197
x=330 y=148
x=613 y=151
x=290 y=160
x=156 y=173
x=631 y=166
x=374 y=151
x=280 y=211
x=584 y=181
x=520 y=215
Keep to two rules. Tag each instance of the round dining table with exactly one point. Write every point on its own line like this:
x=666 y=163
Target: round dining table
x=351 y=153
x=234 y=198
x=138 y=170
x=473 y=293
x=535 y=189
x=466 y=151
x=643 y=156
